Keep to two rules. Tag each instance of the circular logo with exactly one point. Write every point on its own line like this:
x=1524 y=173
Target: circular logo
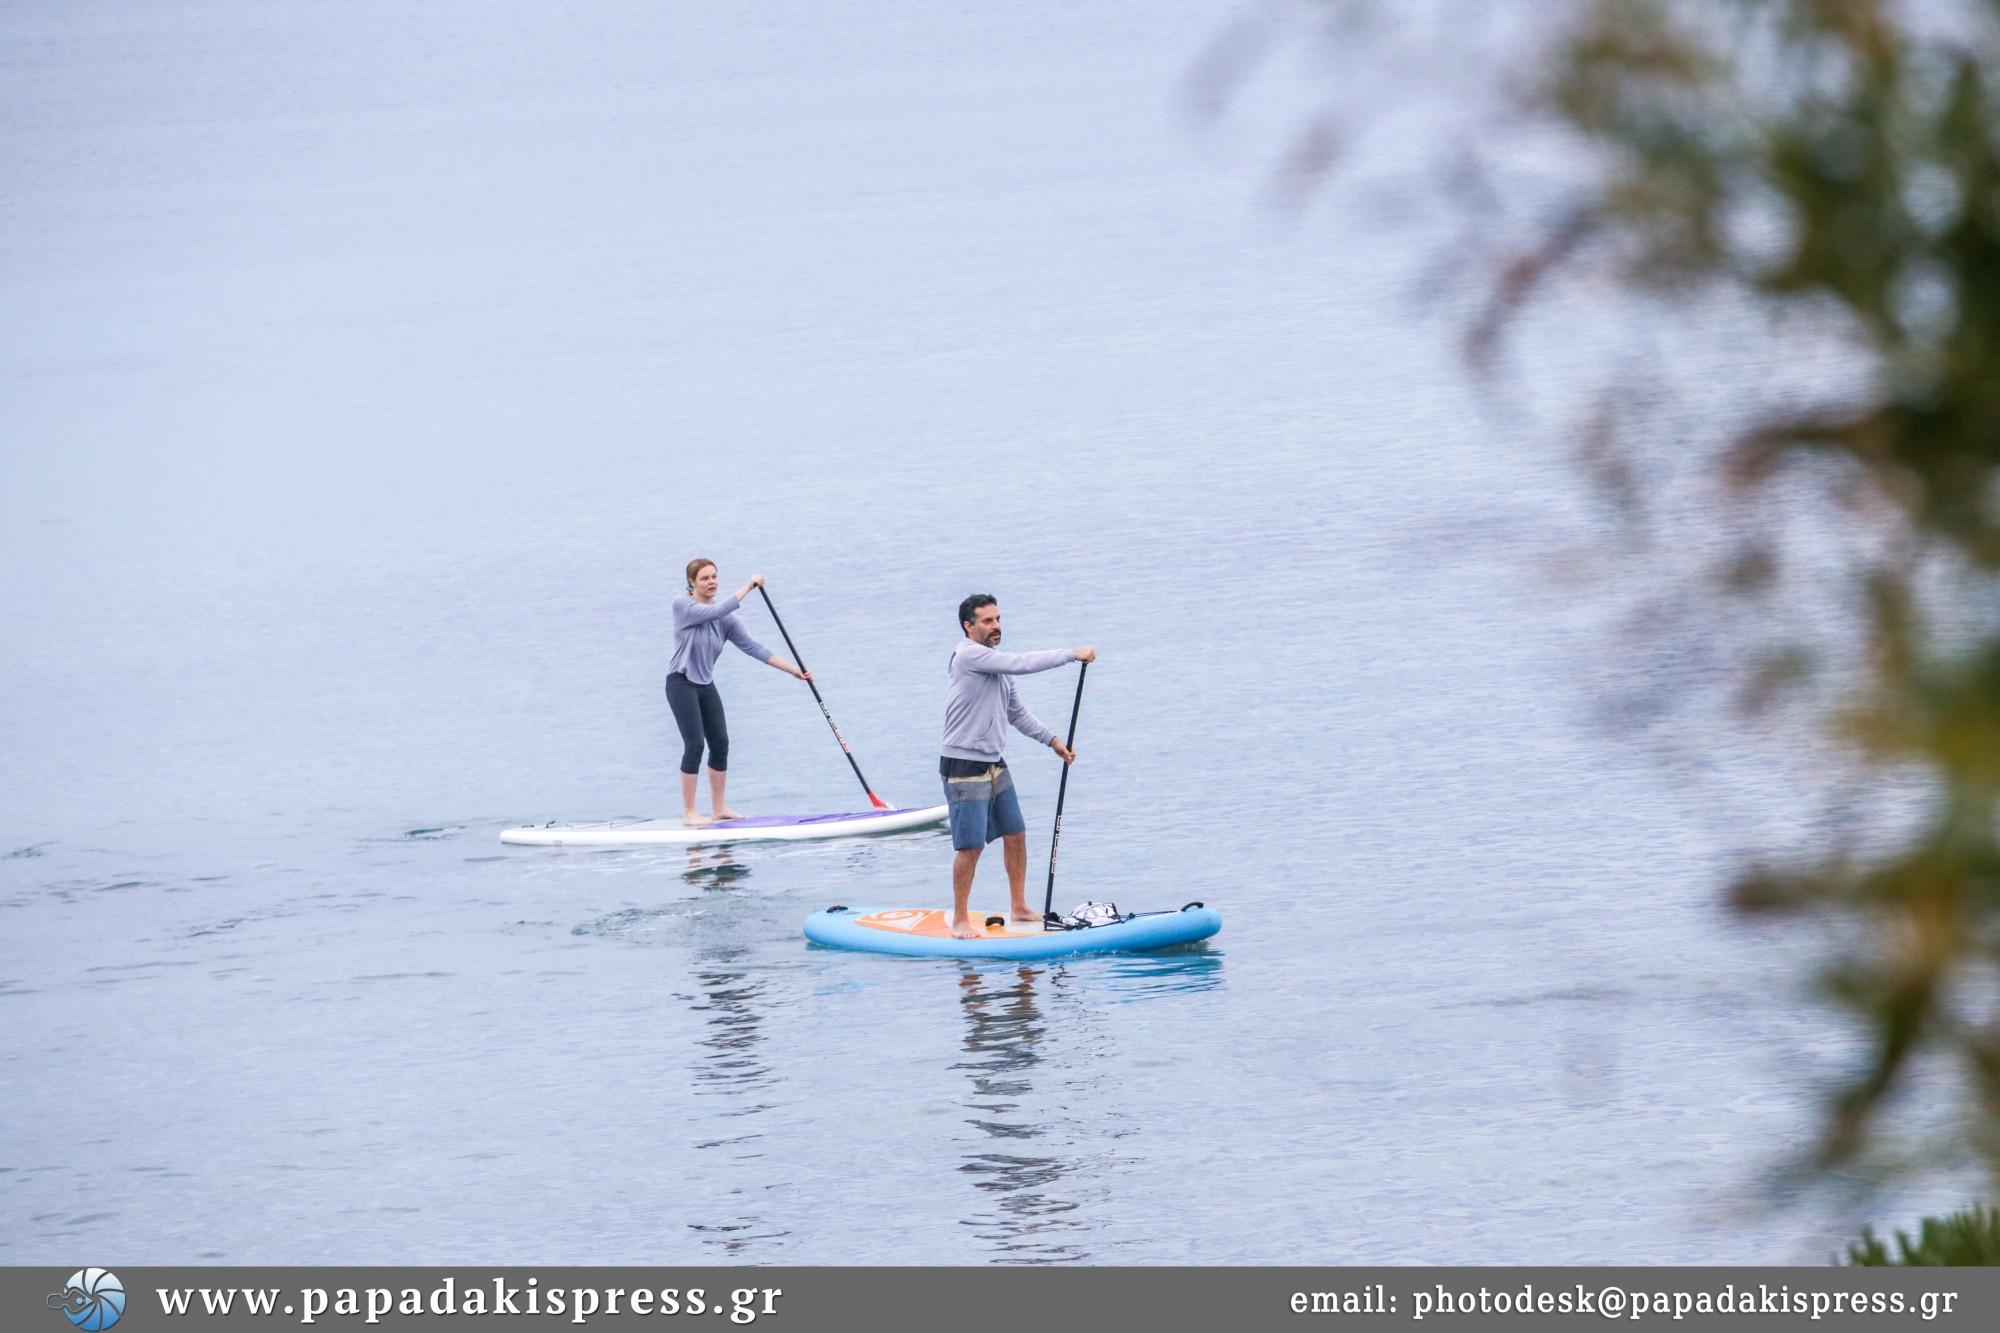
x=93 y=1300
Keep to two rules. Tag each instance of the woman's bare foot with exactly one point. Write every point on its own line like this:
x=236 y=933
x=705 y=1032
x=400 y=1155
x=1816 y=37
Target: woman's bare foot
x=962 y=929
x=696 y=819
x=726 y=813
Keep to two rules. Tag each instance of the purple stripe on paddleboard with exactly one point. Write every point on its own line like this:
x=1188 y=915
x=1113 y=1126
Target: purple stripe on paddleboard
x=789 y=821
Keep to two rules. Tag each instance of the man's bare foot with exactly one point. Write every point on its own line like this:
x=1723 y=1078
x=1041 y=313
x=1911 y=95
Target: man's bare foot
x=695 y=819
x=963 y=929
x=726 y=813
x=1022 y=915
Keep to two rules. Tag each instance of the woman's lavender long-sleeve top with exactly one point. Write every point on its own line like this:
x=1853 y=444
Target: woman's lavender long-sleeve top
x=982 y=701
x=699 y=633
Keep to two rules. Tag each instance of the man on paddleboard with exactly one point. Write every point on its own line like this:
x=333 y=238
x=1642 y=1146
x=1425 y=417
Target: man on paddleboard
x=977 y=786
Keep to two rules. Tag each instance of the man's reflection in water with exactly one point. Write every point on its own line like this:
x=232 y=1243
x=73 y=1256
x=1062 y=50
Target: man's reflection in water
x=713 y=868
x=732 y=1070
x=1004 y=1027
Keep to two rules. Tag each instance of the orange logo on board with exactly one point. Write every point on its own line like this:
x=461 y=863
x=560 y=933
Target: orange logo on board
x=936 y=922
x=912 y=920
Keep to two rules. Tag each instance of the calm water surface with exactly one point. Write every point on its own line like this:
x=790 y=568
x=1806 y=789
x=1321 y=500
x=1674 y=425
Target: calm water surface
x=369 y=373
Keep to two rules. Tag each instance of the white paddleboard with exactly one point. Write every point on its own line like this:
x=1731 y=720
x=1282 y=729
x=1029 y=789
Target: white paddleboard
x=758 y=828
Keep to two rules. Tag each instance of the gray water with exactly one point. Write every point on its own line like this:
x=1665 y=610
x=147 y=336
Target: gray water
x=370 y=372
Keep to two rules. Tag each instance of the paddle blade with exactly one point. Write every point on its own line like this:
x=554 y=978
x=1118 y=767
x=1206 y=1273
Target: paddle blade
x=878 y=802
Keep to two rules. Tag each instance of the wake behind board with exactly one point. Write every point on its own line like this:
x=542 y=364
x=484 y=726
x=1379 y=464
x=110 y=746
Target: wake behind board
x=926 y=933
x=758 y=828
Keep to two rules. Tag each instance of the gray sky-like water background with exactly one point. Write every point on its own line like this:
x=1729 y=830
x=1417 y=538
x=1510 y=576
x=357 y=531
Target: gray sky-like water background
x=367 y=373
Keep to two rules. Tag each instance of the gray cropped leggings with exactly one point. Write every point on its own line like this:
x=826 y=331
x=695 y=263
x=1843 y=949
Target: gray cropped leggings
x=698 y=711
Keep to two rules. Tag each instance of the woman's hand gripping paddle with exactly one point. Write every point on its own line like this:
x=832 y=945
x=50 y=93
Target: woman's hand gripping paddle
x=873 y=799
x=1050 y=921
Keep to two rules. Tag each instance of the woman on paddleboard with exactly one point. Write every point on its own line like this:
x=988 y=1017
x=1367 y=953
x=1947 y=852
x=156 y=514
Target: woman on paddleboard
x=701 y=626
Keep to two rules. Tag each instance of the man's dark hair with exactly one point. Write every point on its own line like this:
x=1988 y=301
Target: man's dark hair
x=969 y=608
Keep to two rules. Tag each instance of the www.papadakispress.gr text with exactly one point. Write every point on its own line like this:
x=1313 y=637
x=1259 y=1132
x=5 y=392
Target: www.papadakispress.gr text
x=739 y=1305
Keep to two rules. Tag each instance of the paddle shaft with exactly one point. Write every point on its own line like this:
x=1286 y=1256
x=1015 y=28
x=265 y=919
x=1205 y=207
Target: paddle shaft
x=1062 y=790
x=877 y=801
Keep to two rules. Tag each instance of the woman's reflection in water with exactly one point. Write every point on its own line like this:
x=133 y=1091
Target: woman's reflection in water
x=713 y=868
x=1027 y=1221
x=733 y=1070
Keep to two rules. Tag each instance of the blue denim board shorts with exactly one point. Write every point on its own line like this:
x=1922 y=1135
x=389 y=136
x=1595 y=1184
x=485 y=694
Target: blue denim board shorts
x=981 y=801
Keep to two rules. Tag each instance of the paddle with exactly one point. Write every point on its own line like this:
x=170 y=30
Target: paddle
x=1049 y=917
x=873 y=799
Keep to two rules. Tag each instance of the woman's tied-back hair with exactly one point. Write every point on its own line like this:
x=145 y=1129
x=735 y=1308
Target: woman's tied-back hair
x=969 y=608
x=695 y=566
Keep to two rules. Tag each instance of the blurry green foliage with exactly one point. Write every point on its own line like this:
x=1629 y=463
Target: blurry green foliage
x=1833 y=165
x=1964 y=1239
x=1840 y=159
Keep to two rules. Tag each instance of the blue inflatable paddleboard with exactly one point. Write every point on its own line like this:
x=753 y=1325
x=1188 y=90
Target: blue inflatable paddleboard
x=926 y=933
